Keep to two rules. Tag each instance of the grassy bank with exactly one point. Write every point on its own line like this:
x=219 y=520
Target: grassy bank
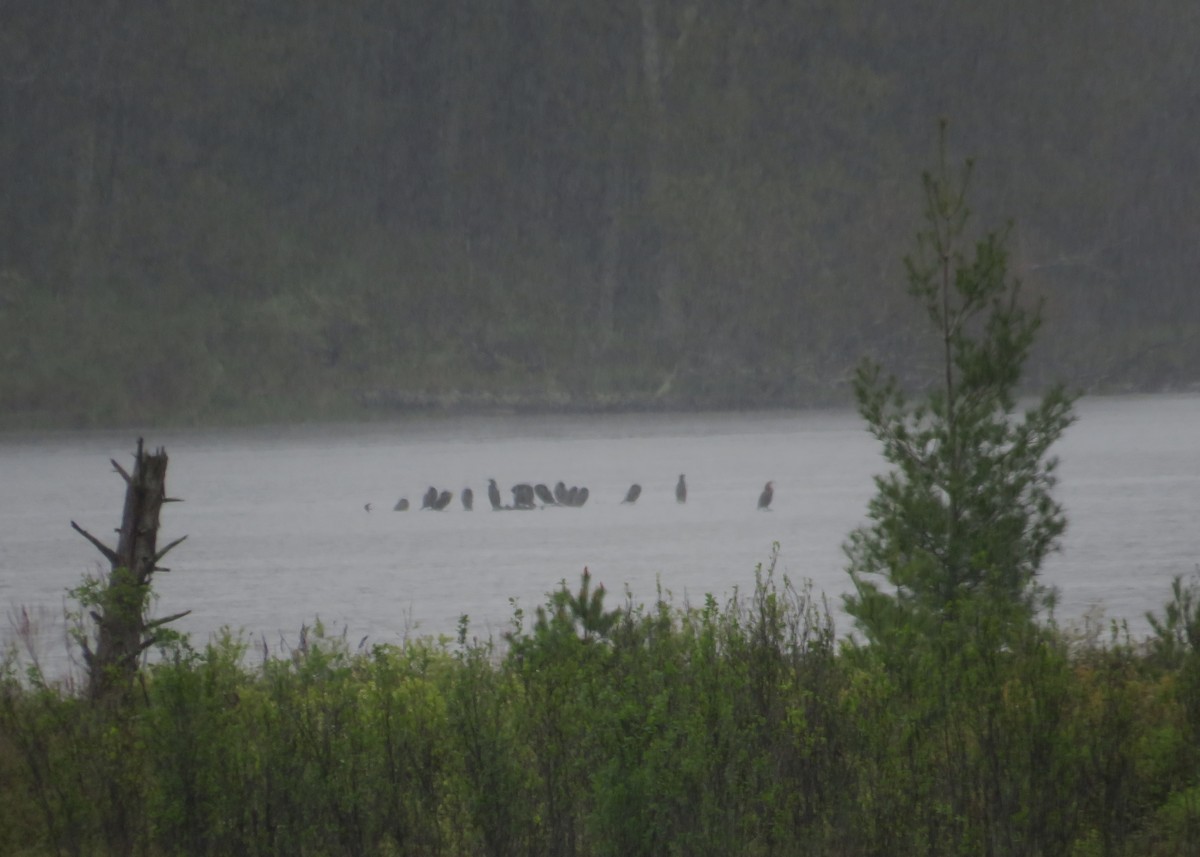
x=735 y=728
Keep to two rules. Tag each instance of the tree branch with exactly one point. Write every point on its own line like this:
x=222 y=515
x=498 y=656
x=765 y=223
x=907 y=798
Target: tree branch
x=124 y=474
x=109 y=553
x=150 y=626
x=164 y=551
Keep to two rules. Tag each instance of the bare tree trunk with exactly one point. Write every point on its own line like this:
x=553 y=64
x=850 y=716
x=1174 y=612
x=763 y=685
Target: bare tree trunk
x=611 y=245
x=123 y=630
x=82 y=240
x=658 y=61
x=454 y=85
x=93 y=52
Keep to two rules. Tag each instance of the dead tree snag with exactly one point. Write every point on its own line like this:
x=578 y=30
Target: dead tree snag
x=118 y=605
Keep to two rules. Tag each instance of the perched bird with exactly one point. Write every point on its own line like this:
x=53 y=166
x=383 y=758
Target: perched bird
x=443 y=500
x=430 y=499
x=367 y=507
x=572 y=496
x=681 y=490
x=633 y=493
x=764 y=499
x=544 y=494
x=581 y=497
x=494 y=495
x=561 y=494
x=401 y=505
x=523 y=497
x=468 y=499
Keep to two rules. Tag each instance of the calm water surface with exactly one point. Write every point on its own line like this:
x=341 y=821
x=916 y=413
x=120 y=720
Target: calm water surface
x=277 y=532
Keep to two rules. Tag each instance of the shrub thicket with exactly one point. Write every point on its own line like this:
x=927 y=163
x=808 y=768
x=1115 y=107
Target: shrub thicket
x=735 y=728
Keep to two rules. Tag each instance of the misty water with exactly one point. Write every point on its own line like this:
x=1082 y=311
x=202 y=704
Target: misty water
x=278 y=534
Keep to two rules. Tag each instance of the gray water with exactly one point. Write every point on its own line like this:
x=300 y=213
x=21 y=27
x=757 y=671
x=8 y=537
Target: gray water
x=278 y=534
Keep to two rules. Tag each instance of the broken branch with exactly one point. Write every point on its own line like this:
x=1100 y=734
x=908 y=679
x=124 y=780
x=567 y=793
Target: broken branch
x=109 y=553
x=165 y=550
x=163 y=621
x=124 y=474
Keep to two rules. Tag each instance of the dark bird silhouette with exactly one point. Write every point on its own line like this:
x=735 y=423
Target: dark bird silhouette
x=494 y=495
x=523 y=497
x=443 y=500
x=581 y=497
x=544 y=495
x=633 y=493
x=681 y=490
x=468 y=499
x=367 y=507
x=401 y=505
x=561 y=494
x=764 y=499
x=572 y=496
x=430 y=499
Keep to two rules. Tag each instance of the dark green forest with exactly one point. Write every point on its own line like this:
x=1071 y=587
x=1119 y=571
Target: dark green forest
x=232 y=211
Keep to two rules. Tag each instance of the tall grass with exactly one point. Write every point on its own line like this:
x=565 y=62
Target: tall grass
x=735 y=728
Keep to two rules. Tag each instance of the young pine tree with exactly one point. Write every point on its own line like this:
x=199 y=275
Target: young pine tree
x=959 y=527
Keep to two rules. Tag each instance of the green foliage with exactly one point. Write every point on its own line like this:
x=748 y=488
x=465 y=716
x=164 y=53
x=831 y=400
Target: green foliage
x=961 y=525
x=1175 y=646
x=735 y=728
x=1177 y=631
x=582 y=613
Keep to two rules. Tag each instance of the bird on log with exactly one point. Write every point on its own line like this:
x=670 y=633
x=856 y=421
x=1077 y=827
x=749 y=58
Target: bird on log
x=468 y=499
x=523 y=496
x=681 y=490
x=545 y=495
x=633 y=493
x=430 y=499
x=443 y=500
x=494 y=495
x=401 y=505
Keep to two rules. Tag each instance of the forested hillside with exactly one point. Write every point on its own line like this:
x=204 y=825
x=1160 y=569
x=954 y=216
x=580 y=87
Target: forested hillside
x=239 y=210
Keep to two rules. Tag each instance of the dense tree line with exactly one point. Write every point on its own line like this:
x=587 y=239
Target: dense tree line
x=238 y=210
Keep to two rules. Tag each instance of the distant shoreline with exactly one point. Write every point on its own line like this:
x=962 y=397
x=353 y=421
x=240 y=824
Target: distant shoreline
x=564 y=403
x=376 y=404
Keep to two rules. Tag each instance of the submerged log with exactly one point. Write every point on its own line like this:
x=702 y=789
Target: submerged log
x=118 y=605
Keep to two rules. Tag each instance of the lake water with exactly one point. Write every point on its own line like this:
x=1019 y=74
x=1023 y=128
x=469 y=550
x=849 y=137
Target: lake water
x=277 y=532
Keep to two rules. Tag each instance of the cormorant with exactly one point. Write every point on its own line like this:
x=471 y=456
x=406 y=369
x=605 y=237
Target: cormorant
x=367 y=507
x=561 y=494
x=523 y=497
x=468 y=499
x=572 y=496
x=443 y=500
x=764 y=499
x=430 y=499
x=401 y=505
x=494 y=495
x=681 y=490
x=633 y=493
x=544 y=494
x=581 y=497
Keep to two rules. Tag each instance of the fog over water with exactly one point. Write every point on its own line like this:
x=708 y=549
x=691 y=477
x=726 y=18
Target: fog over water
x=278 y=534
